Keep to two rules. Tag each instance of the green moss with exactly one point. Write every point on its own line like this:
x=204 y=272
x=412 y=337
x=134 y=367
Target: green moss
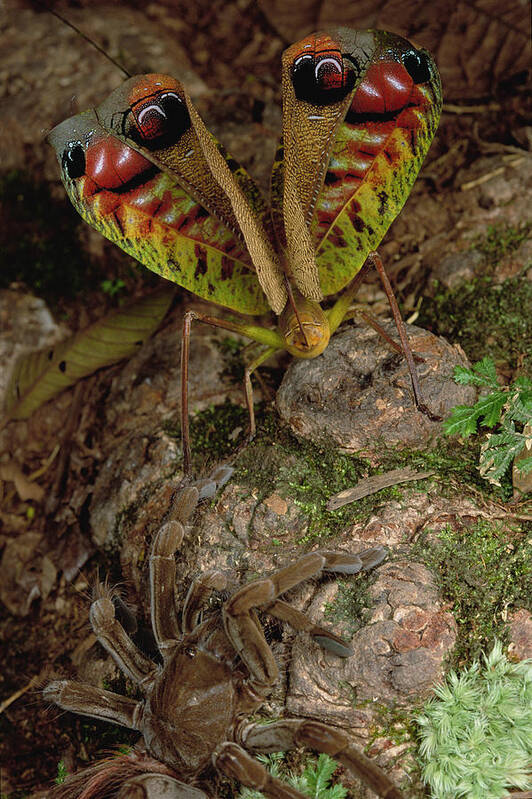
x=310 y=474
x=350 y=608
x=397 y=724
x=500 y=241
x=217 y=431
x=483 y=570
x=394 y=722
x=485 y=318
x=476 y=733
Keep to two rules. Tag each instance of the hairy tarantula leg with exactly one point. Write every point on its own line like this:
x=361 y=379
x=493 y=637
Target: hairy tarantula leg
x=116 y=641
x=243 y=631
x=325 y=638
x=95 y=702
x=198 y=596
x=233 y=761
x=164 y=619
x=185 y=503
x=369 y=558
x=290 y=733
x=157 y=786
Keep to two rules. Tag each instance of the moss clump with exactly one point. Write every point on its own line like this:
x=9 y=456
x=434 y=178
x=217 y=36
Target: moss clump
x=350 y=607
x=485 y=318
x=217 y=431
x=310 y=474
x=500 y=241
x=476 y=734
x=482 y=570
x=306 y=473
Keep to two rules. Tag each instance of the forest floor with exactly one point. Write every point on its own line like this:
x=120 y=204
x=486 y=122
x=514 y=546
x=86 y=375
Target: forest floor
x=460 y=259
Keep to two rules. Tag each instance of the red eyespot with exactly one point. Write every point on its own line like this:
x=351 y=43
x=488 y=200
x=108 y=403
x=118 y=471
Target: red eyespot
x=386 y=87
x=319 y=73
x=113 y=165
x=160 y=120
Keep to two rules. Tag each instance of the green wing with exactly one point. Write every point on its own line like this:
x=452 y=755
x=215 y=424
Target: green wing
x=162 y=215
x=369 y=102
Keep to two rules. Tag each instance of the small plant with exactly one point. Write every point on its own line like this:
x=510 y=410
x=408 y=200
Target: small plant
x=112 y=287
x=316 y=777
x=476 y=734
x=507 y=409
x=62 y=773
x=314 y=781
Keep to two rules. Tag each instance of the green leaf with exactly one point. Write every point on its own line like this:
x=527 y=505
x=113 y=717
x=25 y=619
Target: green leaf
x=488 y=409
x=315 y=779
x=461 y=422
x=498 y=453
x=39 y=376
x=525 y=465
x=62 y=773
x=520 y=404
x=482 y=373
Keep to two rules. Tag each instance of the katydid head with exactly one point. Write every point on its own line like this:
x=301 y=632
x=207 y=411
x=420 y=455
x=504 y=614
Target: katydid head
x=304 y=326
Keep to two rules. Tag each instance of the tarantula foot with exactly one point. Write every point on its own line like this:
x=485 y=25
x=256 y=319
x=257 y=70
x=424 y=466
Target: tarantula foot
x=101 y=613
x=235 y=762
x=52 y=692
x=168 y=539
x=372 y=557
x=332 y=643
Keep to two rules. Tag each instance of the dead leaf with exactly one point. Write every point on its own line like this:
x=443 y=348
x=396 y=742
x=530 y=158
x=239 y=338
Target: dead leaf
x=370 y=485
x=39 y=376
x=12 y=472
x=522 y=481
x=25 y=574
x=477 y=45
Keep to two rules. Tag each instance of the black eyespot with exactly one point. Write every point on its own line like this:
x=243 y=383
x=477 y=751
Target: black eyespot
x=322 y=79
x=73 y=160
x=417 y=66
x=160 y=120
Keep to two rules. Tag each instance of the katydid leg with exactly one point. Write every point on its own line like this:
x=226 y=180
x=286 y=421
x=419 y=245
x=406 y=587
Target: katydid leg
x=340 y=310
x=273 y=342
x=248 y=388
x=375 y=259
x=383 y=334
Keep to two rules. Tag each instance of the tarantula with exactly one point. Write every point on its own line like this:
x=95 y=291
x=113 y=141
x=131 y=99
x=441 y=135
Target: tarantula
x=215 y=673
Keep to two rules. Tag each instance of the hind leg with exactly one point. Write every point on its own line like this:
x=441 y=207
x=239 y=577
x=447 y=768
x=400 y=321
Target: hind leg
x=291 y=733
x=241 y=624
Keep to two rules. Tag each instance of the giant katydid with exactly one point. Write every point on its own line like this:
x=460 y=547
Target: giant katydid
x=359 y=112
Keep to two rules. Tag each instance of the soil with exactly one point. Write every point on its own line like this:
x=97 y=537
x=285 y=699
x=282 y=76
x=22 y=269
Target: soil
x=463 y=235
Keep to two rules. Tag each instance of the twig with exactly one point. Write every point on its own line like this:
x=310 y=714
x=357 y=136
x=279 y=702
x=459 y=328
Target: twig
x=370 y=485
x=482 y=179
x=21 y=691
x=470 y=109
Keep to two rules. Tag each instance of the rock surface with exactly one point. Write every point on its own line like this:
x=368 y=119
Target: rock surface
x=358 y=393
x=521 y=634
x=397 y=656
